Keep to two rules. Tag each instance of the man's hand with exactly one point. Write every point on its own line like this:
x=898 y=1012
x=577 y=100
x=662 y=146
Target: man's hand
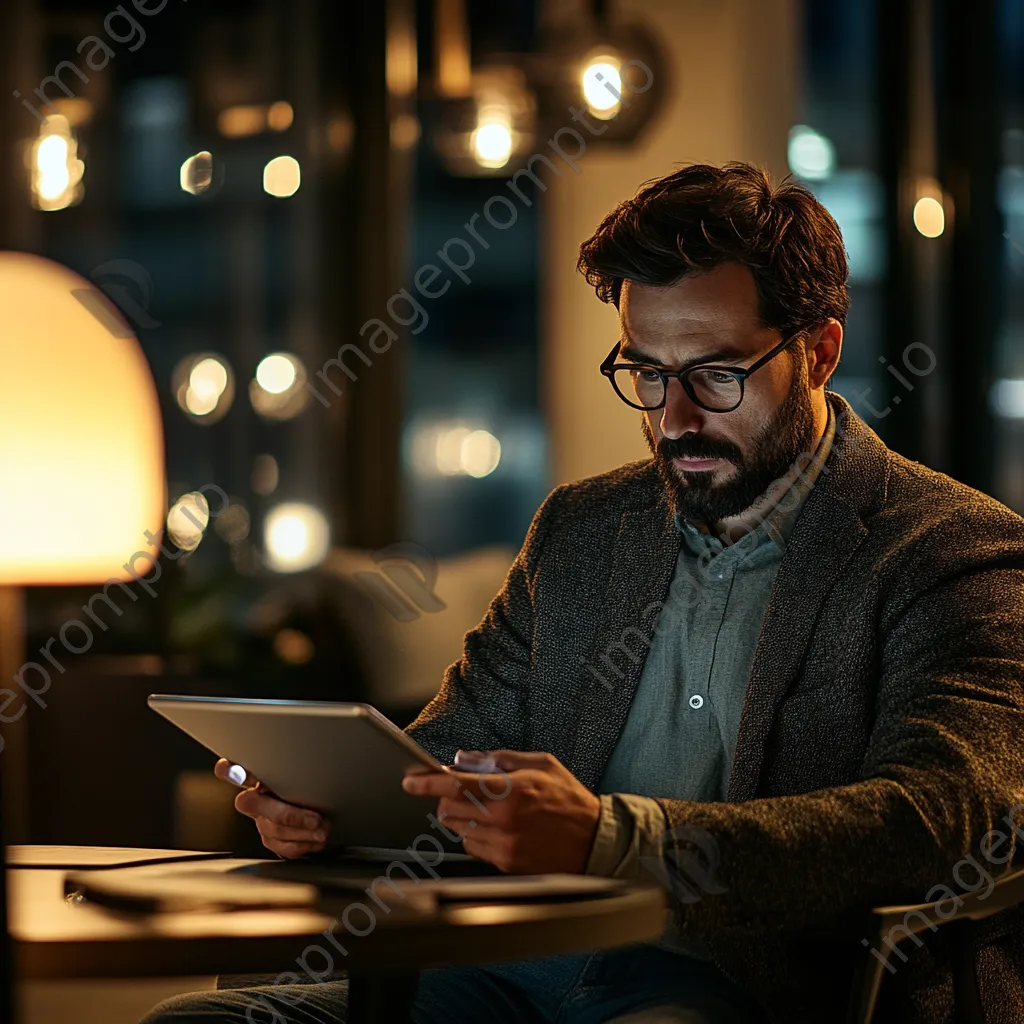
x=532 y=817
x=286 y=830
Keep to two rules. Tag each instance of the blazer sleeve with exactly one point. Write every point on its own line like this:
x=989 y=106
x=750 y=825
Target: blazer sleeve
x=482 y=703
x=941 y=799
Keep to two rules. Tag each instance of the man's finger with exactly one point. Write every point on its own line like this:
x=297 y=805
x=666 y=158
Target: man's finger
x=235 y=773
x=513 y=760
x=285 y=833
x=254 y=804
x=478 y=788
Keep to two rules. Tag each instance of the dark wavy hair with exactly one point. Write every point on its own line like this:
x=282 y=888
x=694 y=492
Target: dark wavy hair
x=702 y=216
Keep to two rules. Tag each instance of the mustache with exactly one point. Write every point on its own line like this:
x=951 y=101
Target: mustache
x=697 y=448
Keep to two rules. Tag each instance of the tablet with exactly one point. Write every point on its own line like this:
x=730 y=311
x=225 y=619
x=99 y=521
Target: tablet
x=344 y=760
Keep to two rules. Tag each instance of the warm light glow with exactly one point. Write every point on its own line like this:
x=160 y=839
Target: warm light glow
x=282 y=177
x=241 y=121
x=82 y=467
x=296 y=537
x=929 y=217
x=197 y=173
x=56 y=170
x=280 y=116
x=293 y=647
x=203 y=386
x=278 y=392
x=209 y=378
x=187 y=520
x=492 y=140
x=276 y=373
x=601 y=81
x=811 y=155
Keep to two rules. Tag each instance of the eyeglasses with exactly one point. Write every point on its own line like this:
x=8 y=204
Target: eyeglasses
x=714 y=388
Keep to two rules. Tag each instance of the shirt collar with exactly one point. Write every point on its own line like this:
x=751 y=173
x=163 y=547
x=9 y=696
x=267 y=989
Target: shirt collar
x=773 y=516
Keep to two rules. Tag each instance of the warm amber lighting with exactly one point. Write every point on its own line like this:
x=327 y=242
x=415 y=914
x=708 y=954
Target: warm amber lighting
x=296 y=537
x=601 y=81
x=82 y=460
x=929 y=217
x=492 y=141
x=280 y=116
x=293 y=647
x=239 y=122
x=276 y=373
x=203 y=386
x=56 y=170
x=282 y=177
x=187 y=520
x=278 y=391
x=197 y=173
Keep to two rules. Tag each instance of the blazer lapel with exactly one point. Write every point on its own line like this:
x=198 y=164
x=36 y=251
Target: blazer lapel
x=828 y=531
x=808 y=572
x=643 y=563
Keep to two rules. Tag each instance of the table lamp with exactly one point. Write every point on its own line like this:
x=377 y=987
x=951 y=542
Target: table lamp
x=81 y=481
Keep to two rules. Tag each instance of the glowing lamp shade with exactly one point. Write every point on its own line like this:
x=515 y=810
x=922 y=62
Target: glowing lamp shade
x=81 y=443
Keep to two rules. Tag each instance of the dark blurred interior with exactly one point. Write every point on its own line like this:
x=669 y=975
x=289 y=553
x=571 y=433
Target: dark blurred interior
x=254 y=183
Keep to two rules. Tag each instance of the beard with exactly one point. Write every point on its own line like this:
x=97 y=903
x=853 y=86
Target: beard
x=788 y=433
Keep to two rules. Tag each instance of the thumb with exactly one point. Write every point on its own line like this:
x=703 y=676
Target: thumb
x=236 y=774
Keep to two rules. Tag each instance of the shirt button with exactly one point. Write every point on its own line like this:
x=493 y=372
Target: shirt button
x=696 y=701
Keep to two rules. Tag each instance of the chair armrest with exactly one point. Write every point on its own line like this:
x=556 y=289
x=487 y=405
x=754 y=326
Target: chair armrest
x=1007 y=892
x=892 y=924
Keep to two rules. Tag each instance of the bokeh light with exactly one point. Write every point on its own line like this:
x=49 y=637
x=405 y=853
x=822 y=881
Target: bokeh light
x=929 y=217
x=282 y=177
x=187 y=520
x=278 y=391
x=601 y=81
x=455 y=449
x=296 y=537
x=197 y=173
x=203 y=386
x=57 y=172
x=492 y=141
x=811 y=155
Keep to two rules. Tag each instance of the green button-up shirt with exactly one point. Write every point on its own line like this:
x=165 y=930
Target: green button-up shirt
x=680 y=737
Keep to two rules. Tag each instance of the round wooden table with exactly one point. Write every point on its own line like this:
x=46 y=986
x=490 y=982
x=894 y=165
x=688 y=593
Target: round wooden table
x=57 y=937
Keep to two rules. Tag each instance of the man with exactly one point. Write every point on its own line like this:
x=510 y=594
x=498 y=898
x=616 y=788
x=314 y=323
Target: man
x=778 y=667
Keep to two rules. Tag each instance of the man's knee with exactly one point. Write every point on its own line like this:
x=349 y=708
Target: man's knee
x=215 y=1008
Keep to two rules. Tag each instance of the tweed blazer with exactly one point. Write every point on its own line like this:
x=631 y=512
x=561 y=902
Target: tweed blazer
x=882 y=734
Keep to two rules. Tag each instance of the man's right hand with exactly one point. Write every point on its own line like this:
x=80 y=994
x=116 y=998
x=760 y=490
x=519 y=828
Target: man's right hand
x=285 y=829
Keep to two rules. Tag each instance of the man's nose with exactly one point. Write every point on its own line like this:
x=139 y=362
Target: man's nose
x=681 y=414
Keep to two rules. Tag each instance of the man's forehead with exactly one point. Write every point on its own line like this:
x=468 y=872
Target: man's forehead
x=698 y=305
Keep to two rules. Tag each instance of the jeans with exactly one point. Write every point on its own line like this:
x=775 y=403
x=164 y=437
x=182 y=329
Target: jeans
x=636 y=984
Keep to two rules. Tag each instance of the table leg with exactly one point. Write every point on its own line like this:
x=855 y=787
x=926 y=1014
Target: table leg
x=380 y=998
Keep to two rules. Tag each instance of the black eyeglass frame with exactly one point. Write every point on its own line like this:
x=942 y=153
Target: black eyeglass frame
x=740 y=373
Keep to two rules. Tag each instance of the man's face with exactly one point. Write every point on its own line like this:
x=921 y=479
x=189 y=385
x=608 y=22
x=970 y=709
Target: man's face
x=716 y=465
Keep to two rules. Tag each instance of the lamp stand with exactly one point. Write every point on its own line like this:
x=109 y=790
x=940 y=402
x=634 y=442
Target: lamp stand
x=13 y=780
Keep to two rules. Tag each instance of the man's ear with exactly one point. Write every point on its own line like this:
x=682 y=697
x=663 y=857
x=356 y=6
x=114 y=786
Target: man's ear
x=824 y=349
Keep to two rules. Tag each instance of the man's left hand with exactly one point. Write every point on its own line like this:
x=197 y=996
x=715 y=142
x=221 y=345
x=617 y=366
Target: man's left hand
x=531 y=817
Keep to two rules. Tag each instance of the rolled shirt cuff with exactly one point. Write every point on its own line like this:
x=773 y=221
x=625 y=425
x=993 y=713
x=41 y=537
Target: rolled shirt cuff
x=629 y=831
